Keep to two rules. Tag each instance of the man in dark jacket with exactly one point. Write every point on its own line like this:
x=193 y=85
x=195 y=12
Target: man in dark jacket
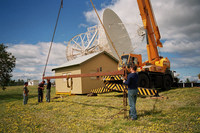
x=48 y=90
x=132 y=82
x=40 y=91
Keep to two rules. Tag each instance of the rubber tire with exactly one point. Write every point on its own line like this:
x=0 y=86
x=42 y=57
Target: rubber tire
x=167 y=83
x=143 y=81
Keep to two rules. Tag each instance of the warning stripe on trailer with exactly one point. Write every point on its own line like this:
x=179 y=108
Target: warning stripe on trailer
x=115 y=77
x=147 y=92
x=121 y=87
x=100 y=90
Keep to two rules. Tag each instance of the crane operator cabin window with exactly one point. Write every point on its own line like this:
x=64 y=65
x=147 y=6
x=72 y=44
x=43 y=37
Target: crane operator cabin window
x=134 y=60
x=124 y=60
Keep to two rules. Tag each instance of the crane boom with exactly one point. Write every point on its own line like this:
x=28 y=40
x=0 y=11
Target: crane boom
x=152 y=30
x=155 y=72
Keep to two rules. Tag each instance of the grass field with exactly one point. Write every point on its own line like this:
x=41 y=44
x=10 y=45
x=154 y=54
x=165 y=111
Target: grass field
x=79 y=113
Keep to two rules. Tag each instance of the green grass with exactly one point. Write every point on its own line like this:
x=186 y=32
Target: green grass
x=79 y=113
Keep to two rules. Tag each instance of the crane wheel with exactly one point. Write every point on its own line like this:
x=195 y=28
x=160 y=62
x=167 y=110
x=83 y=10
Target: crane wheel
x=167 y=82
x=143 y=80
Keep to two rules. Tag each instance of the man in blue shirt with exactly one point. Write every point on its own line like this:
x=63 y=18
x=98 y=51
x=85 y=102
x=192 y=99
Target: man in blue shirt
x=132 y=82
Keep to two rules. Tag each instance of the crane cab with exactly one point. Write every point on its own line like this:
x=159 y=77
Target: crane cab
x=155 y=74
x=128 y=59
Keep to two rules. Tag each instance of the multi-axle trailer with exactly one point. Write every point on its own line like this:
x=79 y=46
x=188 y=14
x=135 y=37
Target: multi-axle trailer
x=113 y=81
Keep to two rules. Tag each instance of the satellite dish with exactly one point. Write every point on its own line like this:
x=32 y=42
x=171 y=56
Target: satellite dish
x=117 y=32
x=86 y=43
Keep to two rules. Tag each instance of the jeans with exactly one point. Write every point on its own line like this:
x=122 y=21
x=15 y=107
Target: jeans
x=40 y=96
x=25 y=99
x=132 y=97
x=48 y=95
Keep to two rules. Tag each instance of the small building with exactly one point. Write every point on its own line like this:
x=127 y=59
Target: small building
x=92 y=63
x=33 y=82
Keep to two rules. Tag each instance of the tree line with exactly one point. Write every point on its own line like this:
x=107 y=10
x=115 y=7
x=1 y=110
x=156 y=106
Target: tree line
x=16 y=82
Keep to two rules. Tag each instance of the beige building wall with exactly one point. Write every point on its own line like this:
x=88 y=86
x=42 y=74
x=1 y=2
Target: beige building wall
x=106 y=63
x=61 y=84
x=85 y=85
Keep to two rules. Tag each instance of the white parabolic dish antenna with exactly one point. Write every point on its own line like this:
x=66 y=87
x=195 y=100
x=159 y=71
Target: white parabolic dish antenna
x=117 y=32
x=86 y=43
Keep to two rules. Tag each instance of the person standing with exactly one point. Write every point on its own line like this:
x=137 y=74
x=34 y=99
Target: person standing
x=40 y=91
x=48 y=90
x=25 y=93
x=132 y=82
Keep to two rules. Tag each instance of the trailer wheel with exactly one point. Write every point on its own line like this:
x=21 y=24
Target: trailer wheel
x=167 y=82
x=143 y=80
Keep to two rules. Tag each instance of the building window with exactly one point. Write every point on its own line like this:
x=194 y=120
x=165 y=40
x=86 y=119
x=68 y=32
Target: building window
x=101 y=69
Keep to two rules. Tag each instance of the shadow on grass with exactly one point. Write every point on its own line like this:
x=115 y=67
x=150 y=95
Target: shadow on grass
x=148 y=112
x=91 y=105
x=13 y=97
x=96 y=105
x=114 y=95
x=172 y=88
x=153 y=111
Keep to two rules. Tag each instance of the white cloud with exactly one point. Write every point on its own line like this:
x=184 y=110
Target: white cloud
x=83 y=25
x=91 y=17
x=31 y=58
x=191 y=78
x=178 y=21
x=182 y=47
x=185 y=62
x=27 y=69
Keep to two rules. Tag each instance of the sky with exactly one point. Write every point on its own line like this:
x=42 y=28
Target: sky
x=27 y=26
